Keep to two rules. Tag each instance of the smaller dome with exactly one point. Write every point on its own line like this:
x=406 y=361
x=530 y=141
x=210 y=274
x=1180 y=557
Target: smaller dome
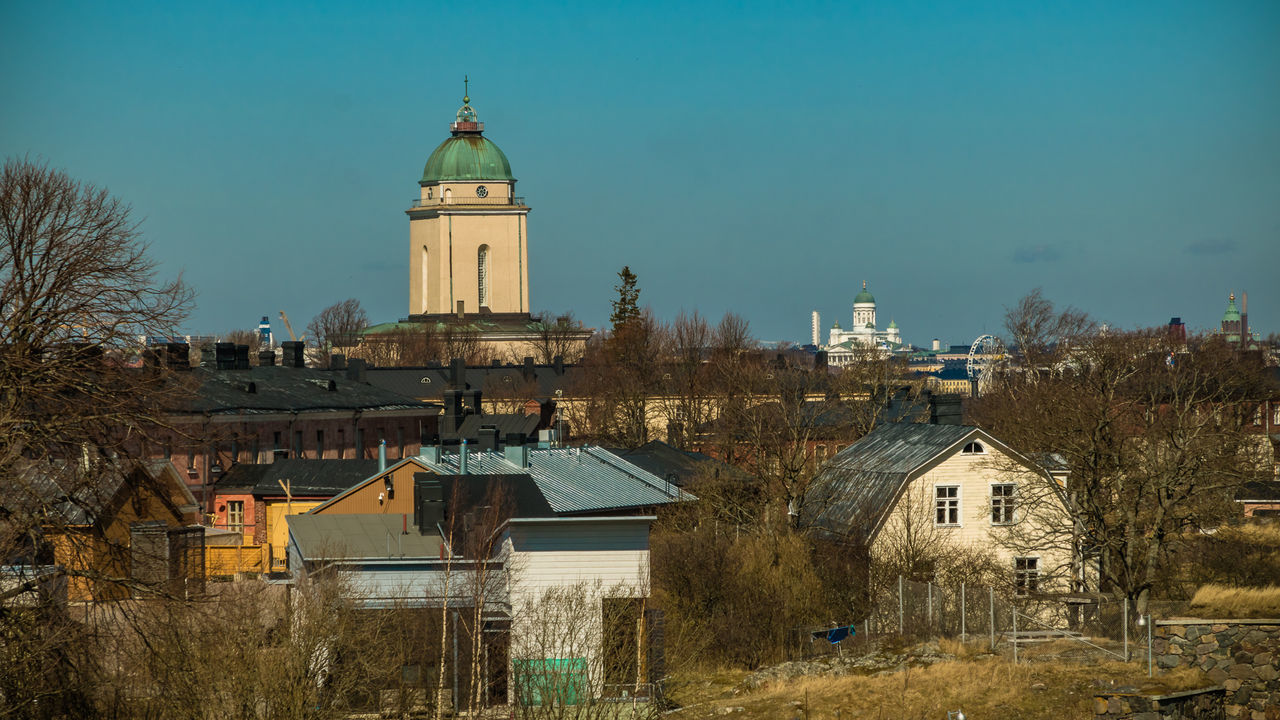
x=864 y=296
x=892 y=325
x=835 y=325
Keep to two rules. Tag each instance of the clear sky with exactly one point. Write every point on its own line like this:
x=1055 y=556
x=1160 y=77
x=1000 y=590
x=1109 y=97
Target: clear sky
x=761 y=158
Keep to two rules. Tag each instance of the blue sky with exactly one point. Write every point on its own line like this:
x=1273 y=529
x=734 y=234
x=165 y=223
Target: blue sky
x=760 y=158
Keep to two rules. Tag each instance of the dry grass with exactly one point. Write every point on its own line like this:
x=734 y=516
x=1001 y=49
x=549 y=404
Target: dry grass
x=1220 y=601
x=987 y=687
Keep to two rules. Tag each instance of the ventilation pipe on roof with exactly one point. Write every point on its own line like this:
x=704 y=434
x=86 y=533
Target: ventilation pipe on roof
x=462 y=458
x=517 y=455
x=431 y=453
x=382 y=455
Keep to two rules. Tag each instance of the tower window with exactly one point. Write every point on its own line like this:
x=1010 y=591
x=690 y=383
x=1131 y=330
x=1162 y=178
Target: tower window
x=482 y=263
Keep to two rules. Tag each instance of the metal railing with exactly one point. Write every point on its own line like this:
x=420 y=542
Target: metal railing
x=518 y=201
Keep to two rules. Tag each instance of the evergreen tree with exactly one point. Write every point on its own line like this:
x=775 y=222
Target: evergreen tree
x=626 y=308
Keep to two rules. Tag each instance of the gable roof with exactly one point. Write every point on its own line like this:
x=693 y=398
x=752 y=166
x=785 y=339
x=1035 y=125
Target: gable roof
x=854 y=491
x=78 y=499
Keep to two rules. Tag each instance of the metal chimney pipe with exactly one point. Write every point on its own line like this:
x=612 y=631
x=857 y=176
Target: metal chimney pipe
x=382 y=455
x=462 y=457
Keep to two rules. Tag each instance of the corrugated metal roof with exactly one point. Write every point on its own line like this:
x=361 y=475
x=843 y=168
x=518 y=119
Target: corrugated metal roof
x=854 y=489
x=574 y=480
x=361 y=536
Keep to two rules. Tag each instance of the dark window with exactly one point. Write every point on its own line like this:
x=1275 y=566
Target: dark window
x=973 y=448
x=319 y=444
x=1002 y=504
x=947 y=505
x=1026 y=575
x=297 y=444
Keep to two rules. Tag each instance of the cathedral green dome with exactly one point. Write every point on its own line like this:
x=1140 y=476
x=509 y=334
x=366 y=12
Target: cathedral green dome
x=1233 y=313
x=467 y=157
x=864 y=296
x=468 y=154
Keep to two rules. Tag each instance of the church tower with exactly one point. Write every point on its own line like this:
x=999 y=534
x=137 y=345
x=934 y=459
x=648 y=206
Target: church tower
x=864 y=310
x=468 y=232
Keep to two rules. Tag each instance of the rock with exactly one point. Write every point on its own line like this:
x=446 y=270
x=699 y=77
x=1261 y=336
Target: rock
x=1168 y=661
x=1265 y=673
x=729 y=710
x=1243 y=672
x=1231 y=684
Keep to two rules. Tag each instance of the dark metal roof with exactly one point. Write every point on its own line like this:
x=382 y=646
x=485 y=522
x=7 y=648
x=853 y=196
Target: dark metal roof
x=307 y=478
x=519 y=491
x=495 y=382
x=526 y=425
x=673 y=464
x=854 y=489
x=286 y=389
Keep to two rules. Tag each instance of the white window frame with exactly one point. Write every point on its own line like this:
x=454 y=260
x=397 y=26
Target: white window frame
x=1009 y=501
x=482 y=271
x=980 y=448
x=238 y=512
x=1026 y=580
x=952 y=508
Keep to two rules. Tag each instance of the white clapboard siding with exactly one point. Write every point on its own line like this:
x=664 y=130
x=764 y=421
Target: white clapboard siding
x=974 y=474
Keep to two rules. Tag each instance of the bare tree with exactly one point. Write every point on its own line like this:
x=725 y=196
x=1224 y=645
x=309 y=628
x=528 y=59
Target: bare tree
x=1152 y=438
x=76 y=293
x=556 y=337
x=338 y=326
x=251 y=338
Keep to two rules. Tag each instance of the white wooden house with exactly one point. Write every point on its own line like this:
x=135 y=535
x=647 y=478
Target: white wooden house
x=949 y=486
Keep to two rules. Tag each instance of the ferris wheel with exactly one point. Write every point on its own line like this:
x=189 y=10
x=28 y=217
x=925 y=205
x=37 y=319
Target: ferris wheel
x=986 y=351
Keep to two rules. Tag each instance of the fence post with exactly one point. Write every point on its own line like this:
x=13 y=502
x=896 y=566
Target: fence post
x=992 y=607
x=1125 y=621
x=929 y=599
x=1150 y=624
x=1014 y=637
x=962 y=626
x=901 y=629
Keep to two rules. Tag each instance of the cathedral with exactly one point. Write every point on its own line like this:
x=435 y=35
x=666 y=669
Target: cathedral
x=843 y=345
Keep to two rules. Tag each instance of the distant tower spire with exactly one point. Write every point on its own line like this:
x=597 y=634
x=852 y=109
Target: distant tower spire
x=466 y=90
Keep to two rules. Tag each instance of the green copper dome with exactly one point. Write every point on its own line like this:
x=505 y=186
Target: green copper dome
x=467 y=155
x=1232 y=314
x=864 y=296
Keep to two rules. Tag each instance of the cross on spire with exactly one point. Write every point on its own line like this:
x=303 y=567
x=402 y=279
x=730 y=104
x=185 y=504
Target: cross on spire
x=466 y=89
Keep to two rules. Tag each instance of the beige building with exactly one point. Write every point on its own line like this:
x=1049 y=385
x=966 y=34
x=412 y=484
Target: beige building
x=468 y=232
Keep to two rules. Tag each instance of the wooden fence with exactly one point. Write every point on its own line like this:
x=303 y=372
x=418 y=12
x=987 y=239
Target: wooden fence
x=235 y=559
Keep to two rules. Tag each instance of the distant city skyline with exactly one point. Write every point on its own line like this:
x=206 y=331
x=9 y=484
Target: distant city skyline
x=760 y=160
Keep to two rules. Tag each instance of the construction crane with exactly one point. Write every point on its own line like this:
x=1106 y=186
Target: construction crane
x=289 y=327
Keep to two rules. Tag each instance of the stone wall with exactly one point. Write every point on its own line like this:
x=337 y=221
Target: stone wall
x=1242 y=655
x=1203 y=704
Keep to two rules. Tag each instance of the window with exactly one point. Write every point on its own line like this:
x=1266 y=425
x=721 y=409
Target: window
x=426 y=275
x=319 y=444
x=297 y=444
x=946 y=505
x=973 y=448
x=820 y=453
x=1026 y=575
x=342 y=443
x=1002 y=504
x=235 y=515
x=1275 y=416
x=482 y=264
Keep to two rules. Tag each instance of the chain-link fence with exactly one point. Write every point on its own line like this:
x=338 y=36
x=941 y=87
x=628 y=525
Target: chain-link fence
x=913 y=611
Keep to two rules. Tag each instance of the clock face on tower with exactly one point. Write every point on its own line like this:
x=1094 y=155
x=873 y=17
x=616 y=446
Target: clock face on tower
x=482 y=191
